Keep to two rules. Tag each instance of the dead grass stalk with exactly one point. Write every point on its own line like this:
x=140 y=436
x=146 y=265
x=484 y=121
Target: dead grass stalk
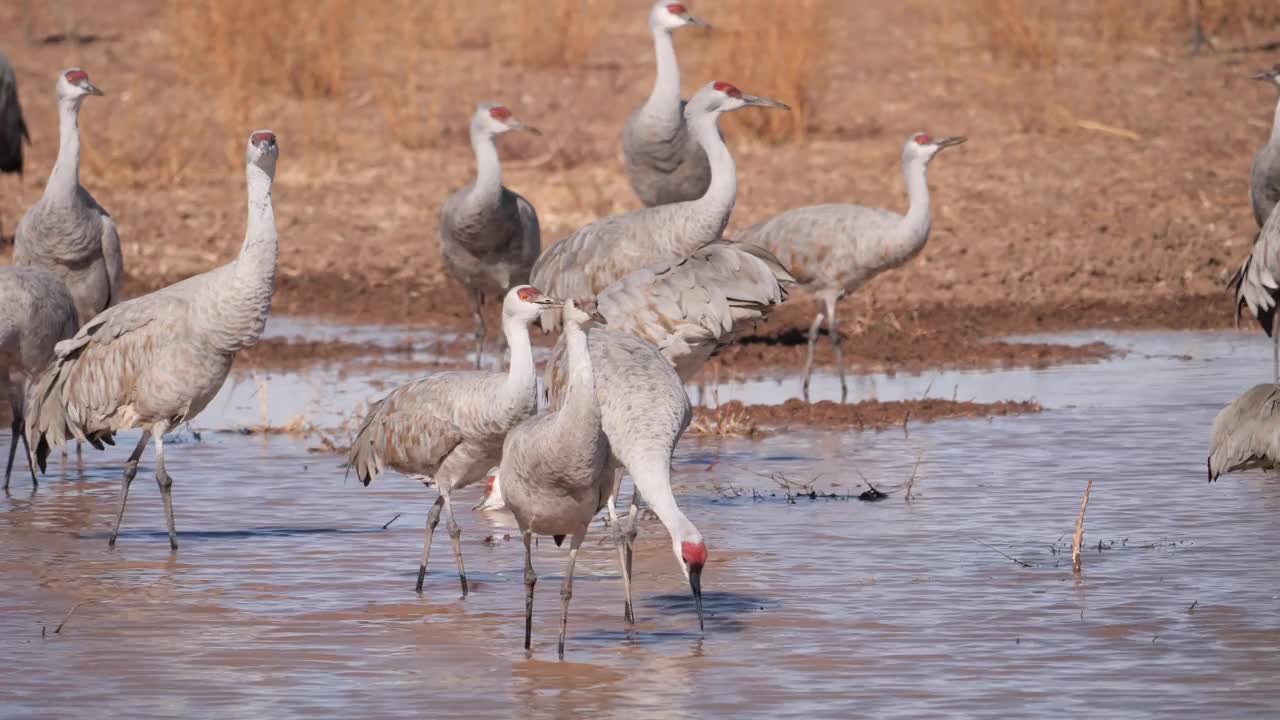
x=1077 y=539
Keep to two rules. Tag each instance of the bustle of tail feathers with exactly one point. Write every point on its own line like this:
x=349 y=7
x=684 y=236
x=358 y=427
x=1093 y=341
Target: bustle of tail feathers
x=364 y=453
x=559 y=539
x=1266 y=317
x=1209 y=462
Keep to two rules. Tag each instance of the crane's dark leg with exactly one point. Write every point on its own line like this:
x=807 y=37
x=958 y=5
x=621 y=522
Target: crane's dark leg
x=833 y=327
x=166 y=490
x=1275 y=344
x=13 y=447
x=620 y=541
x=530 y=579
x=455 y=534
x=813 y=345
x=31 y=462
x=629 y=537
x=433 y=519
x=566 y=587
x=14 y=392
x=130 y=470
x=477 y=302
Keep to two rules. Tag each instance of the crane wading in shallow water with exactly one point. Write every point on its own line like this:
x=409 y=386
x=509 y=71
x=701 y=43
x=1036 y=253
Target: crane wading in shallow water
x=489 y=235
x=1264 y=176
x=835 y=249
x=1246 y=433
x=607 y=250
x=67 y=231
x=448 y=428
x=663 y=324
x=36 y=311
x=663 y=161
x=553 y=469
x=154 y=362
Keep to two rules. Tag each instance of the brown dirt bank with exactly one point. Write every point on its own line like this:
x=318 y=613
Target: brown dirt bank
x=737 y=419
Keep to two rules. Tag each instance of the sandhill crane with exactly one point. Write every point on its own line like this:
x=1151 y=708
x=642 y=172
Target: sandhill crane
x=1264 y=176
x=663 y=161
x=1257 y=286
x=67 y=231
x=489 y=235
x=595 y=256
x=13 y=128
x=157 y=360
x=553 y=469
x=1246 y=433
x=835 y=249
x=38 y=312
x=448 y=428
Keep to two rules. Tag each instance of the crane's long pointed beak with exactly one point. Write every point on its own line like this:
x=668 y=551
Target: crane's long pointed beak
x=92 y=89
x=756 y=101
x=949 y=141
x=519 y=125
x=695 y=584
x=1265 y=76
x=697 y=22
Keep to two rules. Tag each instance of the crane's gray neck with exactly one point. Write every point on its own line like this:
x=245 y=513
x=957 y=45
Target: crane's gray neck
x=488 y=186
x=652 y=477
x=521 y=381
x=914 y=226
x=65 y=178
x=1275 y=126
x=580 y=394
x=664 y=102
x=718 y=200
x=260 y=250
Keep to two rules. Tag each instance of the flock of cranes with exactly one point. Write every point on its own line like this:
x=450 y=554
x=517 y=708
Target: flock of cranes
x=642 y=300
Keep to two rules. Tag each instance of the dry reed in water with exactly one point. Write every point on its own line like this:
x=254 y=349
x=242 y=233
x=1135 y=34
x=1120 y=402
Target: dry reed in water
x=1077 y=539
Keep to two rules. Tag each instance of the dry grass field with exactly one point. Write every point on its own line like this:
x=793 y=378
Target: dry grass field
x=1105 y=180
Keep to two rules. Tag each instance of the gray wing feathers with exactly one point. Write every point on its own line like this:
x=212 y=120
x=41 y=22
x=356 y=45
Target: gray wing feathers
x=1246 y=433
x=663 y=162
x=836 y=246
x=114 y=259
x=37 y=312
x=416 y=426
x=1256 y=283
x=1264 y=182
x=693 y=307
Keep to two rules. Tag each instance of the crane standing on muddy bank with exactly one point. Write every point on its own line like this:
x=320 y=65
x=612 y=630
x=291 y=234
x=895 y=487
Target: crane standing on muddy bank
x=489 y=235
x=835 y=249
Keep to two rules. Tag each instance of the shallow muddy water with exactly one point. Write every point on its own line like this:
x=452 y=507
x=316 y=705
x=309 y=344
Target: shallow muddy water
x=289 y=598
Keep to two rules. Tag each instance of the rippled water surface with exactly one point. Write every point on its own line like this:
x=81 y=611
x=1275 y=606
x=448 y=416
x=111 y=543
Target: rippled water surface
x=288 y=597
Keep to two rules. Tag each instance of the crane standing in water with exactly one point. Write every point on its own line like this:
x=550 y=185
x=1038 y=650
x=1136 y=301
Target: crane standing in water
x=157 y=360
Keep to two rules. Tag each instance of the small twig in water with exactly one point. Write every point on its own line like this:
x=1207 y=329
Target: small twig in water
x=1192 y=609
x=911 y=481
x=1002 y=553
x=1078 y=537
x=76 y=607
x=388 y=524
